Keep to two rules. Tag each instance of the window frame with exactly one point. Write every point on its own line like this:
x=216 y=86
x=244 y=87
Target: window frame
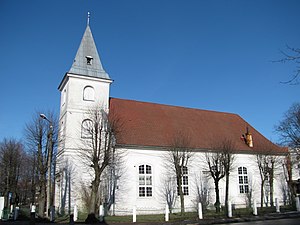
x=88 y=93
x=243 y=180
x=85 y=134
x=145 y=181
x=184 y=181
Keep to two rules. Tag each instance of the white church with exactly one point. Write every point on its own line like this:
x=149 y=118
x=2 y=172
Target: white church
x=145 y=141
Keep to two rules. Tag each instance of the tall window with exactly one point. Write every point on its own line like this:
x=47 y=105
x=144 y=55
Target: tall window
x=243 y=180
x=86 y=128
x=184 y=181
x=145 y=181
x=88 y=93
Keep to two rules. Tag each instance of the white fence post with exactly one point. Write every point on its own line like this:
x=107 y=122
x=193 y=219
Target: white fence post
x=101 y=213
x=297 y=204
x=200 y=215
x=277 y=205
x=134 y=214
x=75 y=213
x=254 y=208
x=1 y=206
x=229 y=209
x=167 y=213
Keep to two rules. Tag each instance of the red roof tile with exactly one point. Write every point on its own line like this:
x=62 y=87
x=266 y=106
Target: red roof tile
x=150 y=124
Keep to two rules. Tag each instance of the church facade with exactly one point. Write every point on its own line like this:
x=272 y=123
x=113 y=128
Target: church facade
x=145 y=175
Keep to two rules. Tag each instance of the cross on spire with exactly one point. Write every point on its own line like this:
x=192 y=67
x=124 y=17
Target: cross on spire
x=88 y=19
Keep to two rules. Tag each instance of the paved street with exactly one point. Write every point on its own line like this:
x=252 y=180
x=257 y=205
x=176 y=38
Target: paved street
x=293 y=221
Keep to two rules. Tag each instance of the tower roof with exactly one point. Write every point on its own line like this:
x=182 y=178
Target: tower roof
x=87 y=61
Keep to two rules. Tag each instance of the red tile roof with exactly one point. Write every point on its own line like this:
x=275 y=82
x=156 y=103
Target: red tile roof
x=150 y=124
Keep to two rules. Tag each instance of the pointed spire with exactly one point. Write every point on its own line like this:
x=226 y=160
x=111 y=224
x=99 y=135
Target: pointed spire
x=87 y=60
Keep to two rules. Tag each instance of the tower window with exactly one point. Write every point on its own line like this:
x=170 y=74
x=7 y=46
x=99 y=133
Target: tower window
x=89 y=60
x=87 y=129
x=88 y=93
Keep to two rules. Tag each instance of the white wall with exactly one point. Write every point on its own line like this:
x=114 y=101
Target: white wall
x=127 y=194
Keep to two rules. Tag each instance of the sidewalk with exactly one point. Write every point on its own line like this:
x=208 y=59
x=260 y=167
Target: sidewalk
x=270 y=216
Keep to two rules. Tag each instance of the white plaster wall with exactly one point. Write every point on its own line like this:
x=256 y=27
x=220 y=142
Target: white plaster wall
x=127 y=193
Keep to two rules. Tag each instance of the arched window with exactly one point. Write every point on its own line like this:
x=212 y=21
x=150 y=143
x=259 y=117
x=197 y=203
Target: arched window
x=243 y=180
x=88 y=93
x=145 y=181
x=184 y=181
x=86 y=129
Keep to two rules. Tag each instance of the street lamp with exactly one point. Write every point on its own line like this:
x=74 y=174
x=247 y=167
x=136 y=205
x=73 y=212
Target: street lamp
x=49 y=162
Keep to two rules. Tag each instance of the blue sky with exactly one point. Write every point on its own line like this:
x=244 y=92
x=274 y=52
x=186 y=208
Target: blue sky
x=214 y=55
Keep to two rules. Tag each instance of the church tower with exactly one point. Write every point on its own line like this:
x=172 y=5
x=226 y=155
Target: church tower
x=83 y=87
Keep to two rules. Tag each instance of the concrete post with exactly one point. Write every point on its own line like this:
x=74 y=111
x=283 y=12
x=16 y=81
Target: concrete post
x=1 y=206
x=277 y=205
x=101 y=213
x=52 y=213
x=229 y=209
x=200 y=214
x=32 y=215
x=75 y=213
x=134 y=214
x=297 y=204
x=16 y=212
x=167 y=213
x=254 y=208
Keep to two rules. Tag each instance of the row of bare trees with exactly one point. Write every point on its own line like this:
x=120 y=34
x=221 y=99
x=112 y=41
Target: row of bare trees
x=218 y=164
x=23 y=165
x=15 y=174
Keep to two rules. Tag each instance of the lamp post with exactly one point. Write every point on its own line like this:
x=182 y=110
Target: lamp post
x=49 y=162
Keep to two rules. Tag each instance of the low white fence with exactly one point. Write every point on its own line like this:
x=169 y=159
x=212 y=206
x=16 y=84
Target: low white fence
x=135 y=211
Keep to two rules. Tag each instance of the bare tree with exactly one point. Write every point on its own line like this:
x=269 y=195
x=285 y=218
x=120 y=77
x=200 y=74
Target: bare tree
x=203 y=191
x=219 y=165
x=267 y=162
x=249 y=193
x=111 y=176
x=99 y=132
x=215 y=167
x=291 y=55
x=169 y=191
x=178 y=157
x=37 y=138
x=227 y=148
x=289 y=127
x=11 y=159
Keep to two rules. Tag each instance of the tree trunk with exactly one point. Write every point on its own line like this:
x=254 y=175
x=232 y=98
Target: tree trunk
x=93 y=200
x=180 y=195
x=217 y=203
x=42 y=200
x=262 y=194
x=226 y=193
x=272 y=185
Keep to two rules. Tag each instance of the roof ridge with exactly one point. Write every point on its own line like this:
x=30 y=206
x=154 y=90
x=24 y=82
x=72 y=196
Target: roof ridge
x=176 y=106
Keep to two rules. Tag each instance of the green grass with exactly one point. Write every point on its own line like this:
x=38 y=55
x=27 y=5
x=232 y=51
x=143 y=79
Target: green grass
x=192 y=216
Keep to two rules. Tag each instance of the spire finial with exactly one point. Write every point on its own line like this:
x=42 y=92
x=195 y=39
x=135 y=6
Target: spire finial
x=88 y=19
